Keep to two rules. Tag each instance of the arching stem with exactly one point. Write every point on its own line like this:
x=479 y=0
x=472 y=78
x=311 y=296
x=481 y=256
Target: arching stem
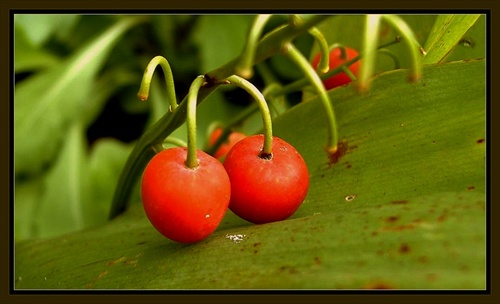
x=264 y=109
x=295 y=55
x=411 y=41
x=192 y=161
x=169 y=80
x=244 y=67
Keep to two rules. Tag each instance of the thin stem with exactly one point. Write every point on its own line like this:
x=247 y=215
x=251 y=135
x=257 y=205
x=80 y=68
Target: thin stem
x=269 y=45
x=169 y=81
x=301 y=83
x=415 y=48
x=264 y=109
x=192 y=161
x=295 y=55
x=244 y=68
x=324 y=61
x=394 y=58
x=371 y=36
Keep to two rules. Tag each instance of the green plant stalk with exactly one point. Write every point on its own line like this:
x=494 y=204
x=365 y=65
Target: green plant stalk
x=268 y=46
x=302 y=83
x=244 y=68
x=264 y=109
x=169 y=79
x=324 y=61
x=192 y=161
x=370 y=40
x=411 y=41
x=143 y=151
x=332 y=133
x=394 y=58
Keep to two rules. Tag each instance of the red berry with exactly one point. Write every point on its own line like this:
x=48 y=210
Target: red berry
x=233 y=138
x=185 y=205
x=335 y=61
x=266 y=190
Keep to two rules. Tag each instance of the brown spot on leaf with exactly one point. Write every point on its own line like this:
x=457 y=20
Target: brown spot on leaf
x=348 y=165
x=423 y=259
x=471 y=188
x=392 y=219
x=480 y=141
x=441 y=218
x=404 y=248
x=256 y=244
x=399 y=228
x=317 y=260
x=289 y=269
x=342 y=149
x=400 y=202
x=431 y=277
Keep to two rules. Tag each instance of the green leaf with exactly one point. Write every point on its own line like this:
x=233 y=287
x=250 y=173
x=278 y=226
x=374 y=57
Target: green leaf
x=404 y=207
x=221 y=38
x=29 y=57
x=106 y=160
x=27 y=195
x=445 y=35
x=40 y=27
x=48 y=102
x=62 y=206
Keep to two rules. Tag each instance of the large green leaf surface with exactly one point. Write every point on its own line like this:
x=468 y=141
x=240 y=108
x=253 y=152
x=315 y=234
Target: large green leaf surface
x=403 y=207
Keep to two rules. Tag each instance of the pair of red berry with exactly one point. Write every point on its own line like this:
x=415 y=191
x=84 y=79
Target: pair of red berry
x=187 y=204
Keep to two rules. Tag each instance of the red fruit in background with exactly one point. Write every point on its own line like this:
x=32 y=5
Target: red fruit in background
x=233 y=138
x=266 y=190
x=185 y=205
x=335 y=61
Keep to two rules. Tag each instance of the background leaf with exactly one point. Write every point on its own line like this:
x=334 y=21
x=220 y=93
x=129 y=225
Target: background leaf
x=394 y=212
x=58 y=93
x=445 y=35
x=220 y=38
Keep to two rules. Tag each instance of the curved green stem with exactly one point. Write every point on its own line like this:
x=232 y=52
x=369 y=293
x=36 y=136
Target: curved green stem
x=414 y=46
x=143 y=93
x=264 y=109
x=372 y=26
x=295 y=55
x=192 y=161
x=324 y=61
x=395 y=59
x=244 y=68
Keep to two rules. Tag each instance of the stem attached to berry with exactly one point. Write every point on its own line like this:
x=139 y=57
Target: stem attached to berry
x=307 y=69
x=264 y=109
x=169 y=79
x=244 y=68
x=192 y=161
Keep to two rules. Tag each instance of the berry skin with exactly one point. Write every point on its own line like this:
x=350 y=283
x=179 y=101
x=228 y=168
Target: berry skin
x=185 y=205
x=336 y=60
x=265 y=190
x=233 y=138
